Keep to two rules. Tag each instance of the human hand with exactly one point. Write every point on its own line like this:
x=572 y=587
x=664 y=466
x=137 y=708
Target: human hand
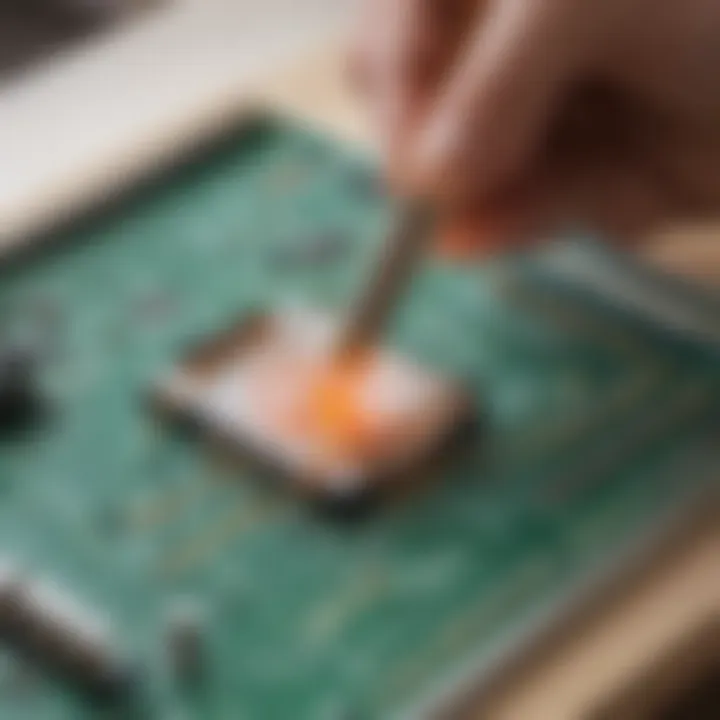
x=522 y=116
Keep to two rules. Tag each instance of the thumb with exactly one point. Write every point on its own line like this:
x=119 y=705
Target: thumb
x=496 y=105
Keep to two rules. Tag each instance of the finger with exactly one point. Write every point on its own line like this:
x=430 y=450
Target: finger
x=618 y=200
x=404 y=49
x=393 y=58
x=690 y=171
x=467 y=232
x=498 y=102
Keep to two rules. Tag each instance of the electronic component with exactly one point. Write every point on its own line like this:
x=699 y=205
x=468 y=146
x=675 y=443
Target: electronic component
x=185 y=639
x=48 y=627
x=19 y=395
x=343 y=432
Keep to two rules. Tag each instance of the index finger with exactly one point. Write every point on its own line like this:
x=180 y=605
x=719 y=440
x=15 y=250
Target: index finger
x=405 y=47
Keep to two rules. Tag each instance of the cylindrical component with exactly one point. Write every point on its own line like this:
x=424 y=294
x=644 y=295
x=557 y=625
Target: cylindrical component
x=47 y=627
x=185 y=641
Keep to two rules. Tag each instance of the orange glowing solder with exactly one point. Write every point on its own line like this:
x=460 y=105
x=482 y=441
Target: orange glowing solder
x=322 y=403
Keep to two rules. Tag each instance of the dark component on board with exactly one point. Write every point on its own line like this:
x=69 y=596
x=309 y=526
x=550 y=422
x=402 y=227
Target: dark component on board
x=20 y=397
x=47 y=628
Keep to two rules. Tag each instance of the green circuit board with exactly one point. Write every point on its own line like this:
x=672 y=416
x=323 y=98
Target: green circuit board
x=596 y=423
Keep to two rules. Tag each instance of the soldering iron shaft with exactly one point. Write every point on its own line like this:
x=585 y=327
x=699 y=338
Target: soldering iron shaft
x=396 y=264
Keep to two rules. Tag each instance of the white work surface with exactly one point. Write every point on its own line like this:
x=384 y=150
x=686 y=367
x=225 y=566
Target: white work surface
x=87 y=121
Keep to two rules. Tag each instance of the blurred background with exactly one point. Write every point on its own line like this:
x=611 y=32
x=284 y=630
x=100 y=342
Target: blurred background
x=88 y=87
